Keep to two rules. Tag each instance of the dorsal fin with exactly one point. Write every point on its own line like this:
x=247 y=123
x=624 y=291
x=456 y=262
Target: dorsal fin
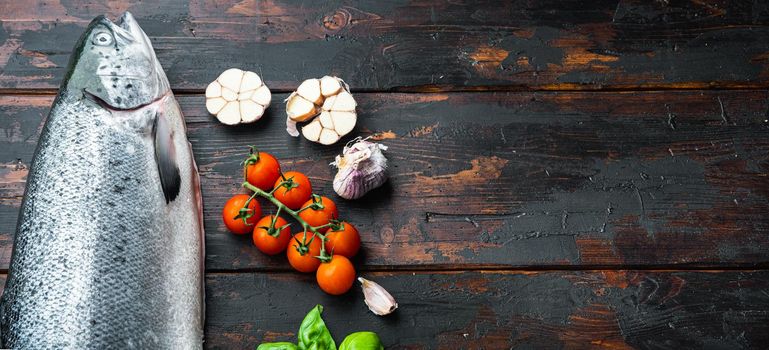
x=165 y=157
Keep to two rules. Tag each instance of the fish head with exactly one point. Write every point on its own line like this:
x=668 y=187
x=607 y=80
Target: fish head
x=115 y=65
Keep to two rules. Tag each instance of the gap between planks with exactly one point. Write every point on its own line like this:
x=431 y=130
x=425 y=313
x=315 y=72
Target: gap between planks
x=753 y=267
x=523 y=268
x=505 y=270
x=564 y=88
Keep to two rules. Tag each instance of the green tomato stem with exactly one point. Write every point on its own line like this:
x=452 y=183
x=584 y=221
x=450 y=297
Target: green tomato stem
x=245 y=206
x=324 y=226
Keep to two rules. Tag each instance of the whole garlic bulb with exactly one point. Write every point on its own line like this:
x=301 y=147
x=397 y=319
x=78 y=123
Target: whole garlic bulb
x=362 y=168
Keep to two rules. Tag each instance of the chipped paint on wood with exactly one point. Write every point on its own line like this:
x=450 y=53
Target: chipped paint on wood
x=538 y=45
x=526 y=185
x=482 y=170
x=505 y=179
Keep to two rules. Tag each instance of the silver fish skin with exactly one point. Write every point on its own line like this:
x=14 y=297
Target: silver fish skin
x=109 y=248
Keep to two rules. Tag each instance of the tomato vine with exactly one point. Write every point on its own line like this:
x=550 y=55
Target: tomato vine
x=257 y=192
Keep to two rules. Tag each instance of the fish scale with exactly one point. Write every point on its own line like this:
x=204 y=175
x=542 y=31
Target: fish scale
x=104 y=255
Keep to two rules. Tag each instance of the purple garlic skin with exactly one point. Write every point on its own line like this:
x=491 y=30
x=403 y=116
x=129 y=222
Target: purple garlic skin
x=362 y=168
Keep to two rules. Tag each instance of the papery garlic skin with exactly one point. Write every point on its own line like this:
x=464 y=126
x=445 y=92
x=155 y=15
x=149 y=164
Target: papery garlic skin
x=378 y=300
x=362 y=168
x=291 y=128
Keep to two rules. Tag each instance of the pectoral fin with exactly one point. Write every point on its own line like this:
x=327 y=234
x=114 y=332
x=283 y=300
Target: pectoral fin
x=165 y=157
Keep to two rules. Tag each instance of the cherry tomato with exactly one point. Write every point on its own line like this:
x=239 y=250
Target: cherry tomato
x=304 y=261
x=262 y=170
x=319 y=217
x=298 y=194
x=336 y=276
x=263 y=235
x=345 y=241
x=232 y=210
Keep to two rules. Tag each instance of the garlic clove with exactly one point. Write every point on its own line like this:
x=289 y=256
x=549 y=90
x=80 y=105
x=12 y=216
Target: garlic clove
x=250 y=111
x=344 y=102
x=262 y=96
x=329 y=103
x=231 y=79
x=328 y=137
x=343 y=122
x=229 y=95
x=230 y=114
x=312 y=130
x=245 y=95
x=214 y=105
x=250 y=81
x=378 y=300
x=310 y=90
x=214 y=90
x=299 y=109
x=329 y=86
x=325 y=120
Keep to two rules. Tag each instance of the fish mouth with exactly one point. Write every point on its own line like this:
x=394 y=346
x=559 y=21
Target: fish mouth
x=125 y=21
x=125 y=24
x=105 y=105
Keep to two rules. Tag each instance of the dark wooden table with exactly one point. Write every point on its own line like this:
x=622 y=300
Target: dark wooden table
x=564 y=174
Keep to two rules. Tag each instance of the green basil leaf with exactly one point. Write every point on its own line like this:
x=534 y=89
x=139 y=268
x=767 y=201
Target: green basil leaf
x=361 y=341
x=313 y=334
x=277 y=346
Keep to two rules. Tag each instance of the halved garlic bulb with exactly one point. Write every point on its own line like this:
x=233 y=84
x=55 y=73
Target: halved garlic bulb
x=328 y=106
x=237 y=96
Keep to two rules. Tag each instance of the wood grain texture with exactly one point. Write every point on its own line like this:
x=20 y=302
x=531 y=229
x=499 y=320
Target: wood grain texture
x=493 y=310
x=415 y=45
x=501 y=310
x=498 y=180
x=530 y=215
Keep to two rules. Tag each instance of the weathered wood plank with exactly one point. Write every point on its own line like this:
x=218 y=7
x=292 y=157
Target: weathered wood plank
x=491 y=310
x=381 y=45
x=501 y=310
x=502 y=179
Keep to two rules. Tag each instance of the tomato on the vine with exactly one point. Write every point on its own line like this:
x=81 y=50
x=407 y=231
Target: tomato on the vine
x=271 y=234
x=295 y=192
x=262 y=170
x=343 y=239
x=232 y=214
x=302 y=252
x=336 y=276
x=319 y=211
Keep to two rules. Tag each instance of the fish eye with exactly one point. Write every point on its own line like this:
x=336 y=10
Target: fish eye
x=102 y=39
